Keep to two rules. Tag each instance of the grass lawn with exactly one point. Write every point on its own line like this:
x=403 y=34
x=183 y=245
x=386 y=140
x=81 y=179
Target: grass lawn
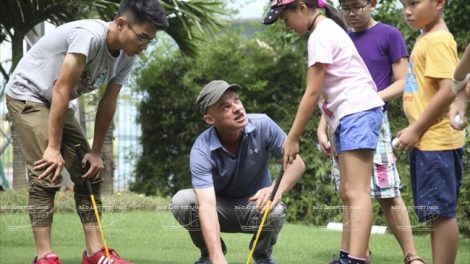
x=155 y=237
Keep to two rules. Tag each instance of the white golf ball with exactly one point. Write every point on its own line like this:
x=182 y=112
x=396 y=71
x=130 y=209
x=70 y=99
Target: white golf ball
x=458 y=121
x=395 y=142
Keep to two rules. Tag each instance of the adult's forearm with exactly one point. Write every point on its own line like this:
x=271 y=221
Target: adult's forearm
x=58 y=111
x=104 y=116
x=210 y=228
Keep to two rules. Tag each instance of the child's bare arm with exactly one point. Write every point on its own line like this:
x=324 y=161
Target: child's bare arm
x=322 y=135
x=436 y=109
x=463 y=68
x=462 y=72
x=395 y=90
x=459 y=108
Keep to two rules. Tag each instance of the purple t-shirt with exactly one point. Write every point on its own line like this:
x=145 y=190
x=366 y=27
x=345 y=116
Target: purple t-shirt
x=380 y=46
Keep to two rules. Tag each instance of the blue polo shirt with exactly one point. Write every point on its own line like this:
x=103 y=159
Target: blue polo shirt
x=237 y=176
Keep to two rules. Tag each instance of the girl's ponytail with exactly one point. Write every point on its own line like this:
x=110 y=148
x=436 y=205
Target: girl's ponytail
x=333 y=14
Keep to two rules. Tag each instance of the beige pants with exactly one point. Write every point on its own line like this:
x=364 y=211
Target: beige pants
x=30 y=121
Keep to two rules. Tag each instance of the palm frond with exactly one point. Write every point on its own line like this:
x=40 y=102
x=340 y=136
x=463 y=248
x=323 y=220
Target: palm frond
x=190 y=20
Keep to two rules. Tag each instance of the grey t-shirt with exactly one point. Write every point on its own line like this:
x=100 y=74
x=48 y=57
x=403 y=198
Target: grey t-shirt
x=37 y=72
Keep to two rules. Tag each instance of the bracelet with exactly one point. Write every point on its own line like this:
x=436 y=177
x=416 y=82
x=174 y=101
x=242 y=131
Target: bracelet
x=458 y=85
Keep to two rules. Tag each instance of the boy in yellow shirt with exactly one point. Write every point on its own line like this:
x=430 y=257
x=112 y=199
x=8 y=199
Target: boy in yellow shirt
x=436 y=148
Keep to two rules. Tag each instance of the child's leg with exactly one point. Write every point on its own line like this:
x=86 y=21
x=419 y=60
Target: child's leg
x=29 y=119
x=385 y=187
x=398 y=221
x=335 y=175
x=345 y=236
x=444 y=240
x=355 y=168
x=435 y=180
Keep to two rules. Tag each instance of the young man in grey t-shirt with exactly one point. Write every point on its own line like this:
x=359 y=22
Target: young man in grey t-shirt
x=74 y=59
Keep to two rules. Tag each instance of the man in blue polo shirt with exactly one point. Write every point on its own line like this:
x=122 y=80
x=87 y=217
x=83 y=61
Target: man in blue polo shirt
x=231 y=178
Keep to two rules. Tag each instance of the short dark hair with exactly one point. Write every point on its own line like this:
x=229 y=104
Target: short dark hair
x=142 y=11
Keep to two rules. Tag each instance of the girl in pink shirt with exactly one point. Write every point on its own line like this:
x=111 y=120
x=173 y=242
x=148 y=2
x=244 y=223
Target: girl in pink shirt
x=340 y=84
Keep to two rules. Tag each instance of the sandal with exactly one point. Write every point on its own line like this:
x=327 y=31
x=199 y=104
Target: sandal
x=409 y=259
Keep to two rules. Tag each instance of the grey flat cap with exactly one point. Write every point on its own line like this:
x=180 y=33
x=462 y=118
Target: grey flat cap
x=212 y=92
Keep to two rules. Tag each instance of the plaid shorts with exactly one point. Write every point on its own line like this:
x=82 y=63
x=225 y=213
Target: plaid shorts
x=385 y=181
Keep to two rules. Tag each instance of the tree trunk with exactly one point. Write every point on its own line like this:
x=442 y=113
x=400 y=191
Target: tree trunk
x=108 y=159
x=16 y=50
x=19 y=170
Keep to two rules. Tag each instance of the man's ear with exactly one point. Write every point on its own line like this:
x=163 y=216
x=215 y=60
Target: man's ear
x=208 y=119
x=121 y=22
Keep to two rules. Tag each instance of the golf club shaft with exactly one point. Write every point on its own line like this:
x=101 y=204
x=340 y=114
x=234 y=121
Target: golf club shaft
x=81 y=153
x=95 y=208
x=267 y=209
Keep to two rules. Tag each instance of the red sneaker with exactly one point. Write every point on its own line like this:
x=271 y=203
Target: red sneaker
x=49 y=258
x=100 y=258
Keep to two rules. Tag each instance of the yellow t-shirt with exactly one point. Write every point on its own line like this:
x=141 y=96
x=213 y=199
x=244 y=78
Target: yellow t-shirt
x=434 y=56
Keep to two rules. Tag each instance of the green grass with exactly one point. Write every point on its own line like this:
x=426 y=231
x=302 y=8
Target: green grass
x=155 y=237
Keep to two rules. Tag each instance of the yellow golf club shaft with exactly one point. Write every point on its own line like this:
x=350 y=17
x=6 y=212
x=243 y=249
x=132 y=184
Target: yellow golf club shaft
x=81 y=153
x=265 y=215
x=95 y=208
x=267 y=209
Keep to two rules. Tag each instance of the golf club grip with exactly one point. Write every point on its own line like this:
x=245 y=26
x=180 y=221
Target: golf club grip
x=276 y=185
x=81 y=154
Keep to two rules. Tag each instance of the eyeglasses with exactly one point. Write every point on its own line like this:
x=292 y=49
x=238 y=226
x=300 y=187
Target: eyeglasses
x=142 y=39
x=347 y=10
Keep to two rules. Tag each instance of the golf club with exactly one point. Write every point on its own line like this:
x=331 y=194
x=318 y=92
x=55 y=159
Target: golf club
x=81 y=153
x=267 y=209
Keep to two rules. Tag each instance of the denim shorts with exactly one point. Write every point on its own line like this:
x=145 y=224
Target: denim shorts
x=359 y=130
x=385 y=181
x=436 y=177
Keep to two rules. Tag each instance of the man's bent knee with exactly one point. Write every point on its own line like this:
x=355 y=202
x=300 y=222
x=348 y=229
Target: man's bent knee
x=184 y=200
x=276 y=216
x=184 y=208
